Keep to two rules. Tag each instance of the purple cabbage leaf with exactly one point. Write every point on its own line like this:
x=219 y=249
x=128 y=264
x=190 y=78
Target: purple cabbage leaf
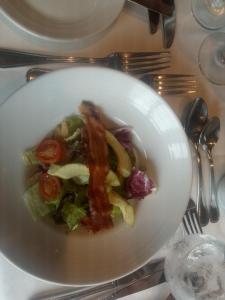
x=138 y=185
x=124 y=135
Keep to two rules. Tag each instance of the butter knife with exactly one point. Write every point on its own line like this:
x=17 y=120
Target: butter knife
x=168 y=27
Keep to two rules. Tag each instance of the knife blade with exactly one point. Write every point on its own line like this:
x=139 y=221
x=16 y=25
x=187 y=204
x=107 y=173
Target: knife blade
x=168 y=27
x=160 y=6
x=153 y=18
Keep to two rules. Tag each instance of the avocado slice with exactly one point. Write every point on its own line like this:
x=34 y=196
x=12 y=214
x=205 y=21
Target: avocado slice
x=124 y=162
x=112 y=179
x=126 y=209
x=80 y=173
x=68 y=171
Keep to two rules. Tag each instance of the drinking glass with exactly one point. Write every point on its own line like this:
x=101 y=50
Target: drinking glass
x=195 y=268
x=210 y=14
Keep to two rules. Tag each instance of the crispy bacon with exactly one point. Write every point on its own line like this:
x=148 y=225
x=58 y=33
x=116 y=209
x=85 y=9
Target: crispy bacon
x=97 y=159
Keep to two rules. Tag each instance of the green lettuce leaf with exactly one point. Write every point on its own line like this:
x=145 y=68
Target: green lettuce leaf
x=73 y=136
x=29 y=157
x=73 y=123
x=35 y=204
x=69 y=126
x=33 y=179
x=72 y=215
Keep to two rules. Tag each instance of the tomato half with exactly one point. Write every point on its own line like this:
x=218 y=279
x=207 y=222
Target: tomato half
x=50 y=151
x=49 y=186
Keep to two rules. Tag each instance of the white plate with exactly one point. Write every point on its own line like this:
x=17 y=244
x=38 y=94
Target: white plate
x=75 y=258
x=62 y=21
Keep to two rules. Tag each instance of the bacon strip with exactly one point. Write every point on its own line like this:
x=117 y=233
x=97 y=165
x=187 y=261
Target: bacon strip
x=97 y=156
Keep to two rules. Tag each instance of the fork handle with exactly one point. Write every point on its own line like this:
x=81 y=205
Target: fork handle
x=14 y=58
x=213 y=205
x=201 y=205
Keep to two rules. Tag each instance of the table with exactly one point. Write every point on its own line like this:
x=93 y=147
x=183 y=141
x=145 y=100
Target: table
x=129 y=33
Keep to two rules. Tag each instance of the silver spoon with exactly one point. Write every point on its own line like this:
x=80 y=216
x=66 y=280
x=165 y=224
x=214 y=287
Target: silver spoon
x=33 y=73
x=208 y=138
x=195 y=121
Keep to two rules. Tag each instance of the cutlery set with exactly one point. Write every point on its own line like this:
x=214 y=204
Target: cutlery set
x=203 y=133
x=139 y=64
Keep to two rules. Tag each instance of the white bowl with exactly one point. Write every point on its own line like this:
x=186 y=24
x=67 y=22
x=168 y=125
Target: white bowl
x=79 y=258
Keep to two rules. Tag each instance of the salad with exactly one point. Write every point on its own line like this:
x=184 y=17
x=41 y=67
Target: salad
x=84 y=174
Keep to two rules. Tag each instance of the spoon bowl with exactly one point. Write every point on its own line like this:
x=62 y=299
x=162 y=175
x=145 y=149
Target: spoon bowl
x=210 y=134
x=196 y=119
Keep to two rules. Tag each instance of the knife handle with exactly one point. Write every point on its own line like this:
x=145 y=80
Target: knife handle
x=153 y=18
x=168 y=27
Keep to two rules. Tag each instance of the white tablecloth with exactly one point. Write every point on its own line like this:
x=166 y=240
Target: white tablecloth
x=129 y=33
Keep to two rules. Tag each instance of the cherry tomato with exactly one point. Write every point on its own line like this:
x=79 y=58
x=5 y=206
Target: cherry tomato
x=49 y=186
x=50 y=151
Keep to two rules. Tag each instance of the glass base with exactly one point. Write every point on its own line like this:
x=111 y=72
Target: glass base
x=211 y=58
x=210 y=14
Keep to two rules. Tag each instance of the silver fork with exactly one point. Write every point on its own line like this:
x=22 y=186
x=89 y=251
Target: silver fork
x=136 y=63
x=190 y=219
x=166 y=84
x=171 y=84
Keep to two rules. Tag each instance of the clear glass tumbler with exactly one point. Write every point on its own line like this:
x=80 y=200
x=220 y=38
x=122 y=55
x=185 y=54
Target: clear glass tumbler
x=195 y=268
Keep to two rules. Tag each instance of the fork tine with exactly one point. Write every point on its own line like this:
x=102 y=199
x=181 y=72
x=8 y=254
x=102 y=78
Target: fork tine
x=145 y=71
x=174 y=93
x=132 y=55
x=176 y=90
x=165 y=81
x=197 y=223
x=193 y=219
x=175 y=76
x=174 y=85
x=144 y=65
x=185 y=225
x=145 y=68
x=189 y=221
x=170 y=87
x=141 y=61
x=175 y=81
